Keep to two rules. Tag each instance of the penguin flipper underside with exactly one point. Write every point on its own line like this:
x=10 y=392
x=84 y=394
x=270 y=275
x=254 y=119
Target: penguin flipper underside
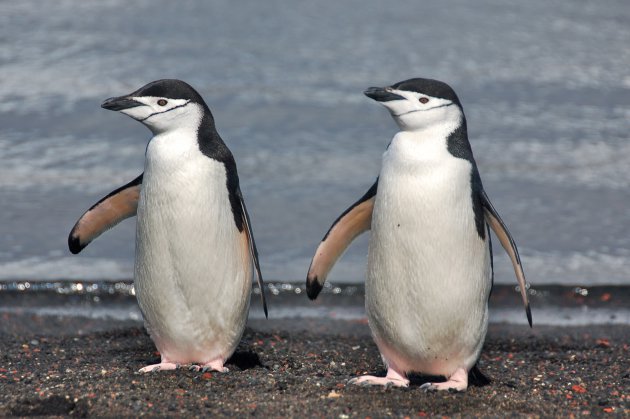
x=354 y=221
x=254 y=252
x=118 y=205
x=500 y=229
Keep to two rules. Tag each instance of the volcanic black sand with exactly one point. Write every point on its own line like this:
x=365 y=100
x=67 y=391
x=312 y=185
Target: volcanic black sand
x=300 y=369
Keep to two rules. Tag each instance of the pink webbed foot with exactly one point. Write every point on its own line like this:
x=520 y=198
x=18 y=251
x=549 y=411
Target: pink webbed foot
x=393 y=378
x=214 y=365
x=457 y=382
x=162 y=366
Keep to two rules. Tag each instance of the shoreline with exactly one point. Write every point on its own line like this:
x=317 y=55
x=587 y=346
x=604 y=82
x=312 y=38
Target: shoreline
x=106 y=305
x=300 y=367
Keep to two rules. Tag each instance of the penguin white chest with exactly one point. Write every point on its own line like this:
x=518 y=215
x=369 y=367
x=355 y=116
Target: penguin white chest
x=429 y=272
x=193 y=269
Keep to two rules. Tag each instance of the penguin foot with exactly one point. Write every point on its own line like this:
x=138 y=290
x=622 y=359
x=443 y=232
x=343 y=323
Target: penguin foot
x=392 y=379
x=216 y=365
x=162 y=366
x=456 y=382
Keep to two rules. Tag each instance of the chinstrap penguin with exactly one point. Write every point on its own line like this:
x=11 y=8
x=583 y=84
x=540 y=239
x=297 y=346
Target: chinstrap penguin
x=429 y=272
x=195 y=250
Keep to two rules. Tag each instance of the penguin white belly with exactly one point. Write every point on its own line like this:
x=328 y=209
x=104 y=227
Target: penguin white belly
x=429 y=273
x=193 y=268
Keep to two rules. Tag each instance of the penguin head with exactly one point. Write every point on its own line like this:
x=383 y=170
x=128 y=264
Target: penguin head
x=162 y=105
x=418 y=104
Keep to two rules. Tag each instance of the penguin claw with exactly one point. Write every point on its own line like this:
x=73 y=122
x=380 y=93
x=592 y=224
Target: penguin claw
x=208 y=369
x=162 y=366
x=209 y=366
x=360 y=383
x=458 y=382
x=387 y=382
x=428 y=387
x=433 y=388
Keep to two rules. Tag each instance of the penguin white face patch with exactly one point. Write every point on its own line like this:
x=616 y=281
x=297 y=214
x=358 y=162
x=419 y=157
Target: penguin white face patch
x=419 y=111
x=160 y=114
x=153 y=106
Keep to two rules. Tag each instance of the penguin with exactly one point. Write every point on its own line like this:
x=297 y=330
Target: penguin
x=429 y=269
x=195 y=250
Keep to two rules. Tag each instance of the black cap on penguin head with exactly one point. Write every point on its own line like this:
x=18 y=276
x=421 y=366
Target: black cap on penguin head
x=170 y=88
x=429 y=87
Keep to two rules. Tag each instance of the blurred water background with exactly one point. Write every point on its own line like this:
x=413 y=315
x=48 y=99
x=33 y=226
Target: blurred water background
x=545 y=86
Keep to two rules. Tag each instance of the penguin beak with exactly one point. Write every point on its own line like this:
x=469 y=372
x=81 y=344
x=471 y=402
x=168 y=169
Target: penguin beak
x=380 y=94
x=120 y=103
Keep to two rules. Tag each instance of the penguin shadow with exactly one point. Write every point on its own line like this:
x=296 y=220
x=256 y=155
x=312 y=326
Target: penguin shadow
x=244 y=360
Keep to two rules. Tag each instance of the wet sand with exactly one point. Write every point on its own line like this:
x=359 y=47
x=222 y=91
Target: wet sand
x=299 y=368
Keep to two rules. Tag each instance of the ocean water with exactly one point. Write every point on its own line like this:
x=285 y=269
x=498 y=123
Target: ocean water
x=545 y=87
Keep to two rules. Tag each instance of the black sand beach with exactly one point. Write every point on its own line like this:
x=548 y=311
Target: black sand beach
x=299 y=368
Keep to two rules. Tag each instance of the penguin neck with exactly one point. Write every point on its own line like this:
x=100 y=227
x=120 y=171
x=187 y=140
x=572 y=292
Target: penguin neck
x=434 y=136
x=436 y=129
x=180 y=140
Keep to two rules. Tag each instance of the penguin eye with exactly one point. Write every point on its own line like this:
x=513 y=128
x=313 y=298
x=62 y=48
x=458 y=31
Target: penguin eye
x=423 y=99
x=162 y=102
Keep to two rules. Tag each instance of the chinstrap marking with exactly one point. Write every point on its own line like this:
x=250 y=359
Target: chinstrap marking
x=424 y=110
x=168 y=110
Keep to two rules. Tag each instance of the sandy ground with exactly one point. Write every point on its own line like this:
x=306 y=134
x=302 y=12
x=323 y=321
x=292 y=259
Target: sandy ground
x=300 y=369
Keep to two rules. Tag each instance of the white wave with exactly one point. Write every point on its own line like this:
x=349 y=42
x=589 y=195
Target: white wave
x=95 y=312
x=568 y=268
x=83 y=50
x=65 y=161
x=542 y=268
x=571 y=145
x=557 y=316
x=552 y=316
x=73 y=268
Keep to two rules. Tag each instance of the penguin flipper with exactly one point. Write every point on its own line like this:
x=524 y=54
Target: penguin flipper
x=118 y=205
x=354 y=221
x=253 y=251
x=503 y=234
